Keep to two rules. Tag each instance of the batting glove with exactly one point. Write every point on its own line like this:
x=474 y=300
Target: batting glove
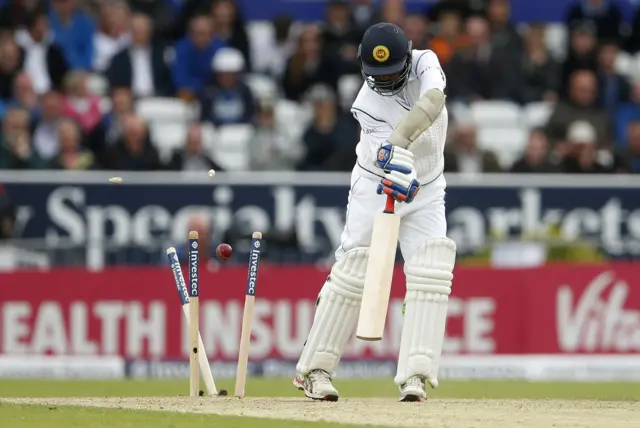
x=401 y=187
x=393 y=158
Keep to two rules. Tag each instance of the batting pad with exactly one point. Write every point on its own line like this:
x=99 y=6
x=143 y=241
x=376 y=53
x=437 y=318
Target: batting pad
x=336 y=314
x=429 y=275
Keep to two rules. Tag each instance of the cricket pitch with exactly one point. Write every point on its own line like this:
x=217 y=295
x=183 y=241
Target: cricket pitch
x=438 y=412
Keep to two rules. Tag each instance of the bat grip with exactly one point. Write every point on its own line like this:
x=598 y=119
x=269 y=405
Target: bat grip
x=389 y=207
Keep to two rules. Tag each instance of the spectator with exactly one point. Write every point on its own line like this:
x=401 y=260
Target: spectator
x=74 y=32
x=44 y=60
x=78 y=103
x=613 y=88
x=141 y=67
x=580 y=105
x=24 y=96
x=540 y=72
x=16 y=151
x=13 y=13
x=339 y=37
x=340 y=40
x=45 y=134
x=632 y=44
x=603 y=15
x=477 y=72
x=415 y=27
x=465 y=157
x=72 y=155
x=364 y=14
x=536 y=155
x=193 y=157
x=270 y=55
x=463 y=8
x=393 y=11
x=582 y=53
x=227 y=100
x=631 y=154
x=582 y=154
x=134 y=152
x=7 y=215
x=113 y=34
x=230 y=27
x=504 y=36
x=201 y=224
x=450 y=38
x=271 y=148
x=330 y=140
x=110 y=129
x=10 y=65
x=160 y=13
x=627 y=112
x=307 y=67
x=16 y=121
x=188 y=10
x=194 y=53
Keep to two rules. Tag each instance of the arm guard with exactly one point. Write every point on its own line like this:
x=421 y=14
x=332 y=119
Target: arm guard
x=419 y=119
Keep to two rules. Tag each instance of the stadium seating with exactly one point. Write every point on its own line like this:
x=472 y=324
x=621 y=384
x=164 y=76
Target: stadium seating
x=293 y=117
x=348 y=87
x=165 y=110
x=507 y=143
x=230 y=148
x=556 y=39
x=495 y=113
x=97 y=84
x=167 y=136
x=262 y=86
x=535 y=115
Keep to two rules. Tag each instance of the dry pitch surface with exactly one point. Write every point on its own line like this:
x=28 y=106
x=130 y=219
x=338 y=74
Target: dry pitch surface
x=441 y=413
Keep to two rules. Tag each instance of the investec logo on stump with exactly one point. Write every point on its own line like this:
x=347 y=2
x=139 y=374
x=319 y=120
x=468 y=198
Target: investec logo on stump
x=193 y=263
x=253 y=272
x=177 y=274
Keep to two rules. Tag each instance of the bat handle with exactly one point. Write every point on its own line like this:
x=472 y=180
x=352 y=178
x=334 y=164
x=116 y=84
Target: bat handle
x=389 y=207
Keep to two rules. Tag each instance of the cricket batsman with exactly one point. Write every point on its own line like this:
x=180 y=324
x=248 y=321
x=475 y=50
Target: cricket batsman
x=402 y=114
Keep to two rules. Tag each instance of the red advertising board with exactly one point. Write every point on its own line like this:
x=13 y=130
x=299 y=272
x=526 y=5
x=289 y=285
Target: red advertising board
x=135 y=312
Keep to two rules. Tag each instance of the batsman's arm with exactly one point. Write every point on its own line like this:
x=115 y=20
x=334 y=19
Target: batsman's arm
x=430 y=104
x=425 y=111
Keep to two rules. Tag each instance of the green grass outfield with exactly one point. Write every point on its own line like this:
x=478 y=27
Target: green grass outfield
x=30 y=416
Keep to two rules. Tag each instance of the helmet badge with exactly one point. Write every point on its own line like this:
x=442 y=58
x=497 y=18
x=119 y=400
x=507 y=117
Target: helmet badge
x=381 y=53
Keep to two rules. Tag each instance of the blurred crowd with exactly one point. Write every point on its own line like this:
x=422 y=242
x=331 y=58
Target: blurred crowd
x=74 y=73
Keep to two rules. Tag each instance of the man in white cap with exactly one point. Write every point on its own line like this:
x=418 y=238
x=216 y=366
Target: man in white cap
x=227 y=99
x=582 y=151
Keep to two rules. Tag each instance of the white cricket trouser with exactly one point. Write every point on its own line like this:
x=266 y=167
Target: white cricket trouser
x=422 y=219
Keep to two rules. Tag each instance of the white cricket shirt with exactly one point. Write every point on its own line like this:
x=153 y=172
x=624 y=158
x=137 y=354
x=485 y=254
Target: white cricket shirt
x=379 y=115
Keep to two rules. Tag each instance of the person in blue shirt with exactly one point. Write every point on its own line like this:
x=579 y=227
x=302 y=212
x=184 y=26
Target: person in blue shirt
x=630 y=155
x=627 y=113
x=193 y=56
x=227 y=100
x=74 y=32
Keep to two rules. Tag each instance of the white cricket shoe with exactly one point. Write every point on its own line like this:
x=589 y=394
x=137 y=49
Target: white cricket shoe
x=316 y=385
x=413 y=390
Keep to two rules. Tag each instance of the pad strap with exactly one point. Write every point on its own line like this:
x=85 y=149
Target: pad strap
x=336 y=314
x=429 y=274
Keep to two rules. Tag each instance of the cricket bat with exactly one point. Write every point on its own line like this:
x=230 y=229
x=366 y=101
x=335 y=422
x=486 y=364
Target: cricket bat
x=377 y=280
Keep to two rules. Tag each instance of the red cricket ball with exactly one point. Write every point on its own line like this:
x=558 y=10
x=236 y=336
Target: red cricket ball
x=224 y=252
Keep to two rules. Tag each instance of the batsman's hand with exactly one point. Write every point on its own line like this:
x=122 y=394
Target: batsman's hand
x=393 y=158
x=401 y=187
x=399 y=179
